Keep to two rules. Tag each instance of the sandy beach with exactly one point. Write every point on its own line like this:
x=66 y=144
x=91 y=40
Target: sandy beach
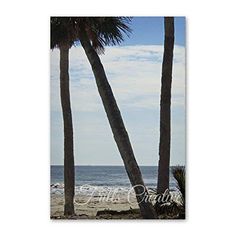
x=98 y=206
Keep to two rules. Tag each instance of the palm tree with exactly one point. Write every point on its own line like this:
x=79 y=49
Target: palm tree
x=165 y=113
x=63 y=37
x=108 y=31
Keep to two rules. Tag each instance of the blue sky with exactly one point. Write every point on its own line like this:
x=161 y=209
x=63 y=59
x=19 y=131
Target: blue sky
x=150 y=30
x=134 y=71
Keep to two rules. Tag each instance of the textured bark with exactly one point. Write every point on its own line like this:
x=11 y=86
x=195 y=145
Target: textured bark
x=118 y=129
x=165 y=106
x=69 y=175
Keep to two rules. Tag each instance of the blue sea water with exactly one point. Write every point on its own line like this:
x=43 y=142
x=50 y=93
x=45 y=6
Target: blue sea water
x=106 y=176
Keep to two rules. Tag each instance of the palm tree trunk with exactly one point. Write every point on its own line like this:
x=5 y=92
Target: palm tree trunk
x=120 y=134
x=69 y=179
x=165 y=105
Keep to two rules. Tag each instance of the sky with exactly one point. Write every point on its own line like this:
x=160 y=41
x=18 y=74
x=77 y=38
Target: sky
x=134 y=73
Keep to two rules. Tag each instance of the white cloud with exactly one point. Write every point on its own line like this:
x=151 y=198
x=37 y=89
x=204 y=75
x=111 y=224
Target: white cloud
x=134 y=73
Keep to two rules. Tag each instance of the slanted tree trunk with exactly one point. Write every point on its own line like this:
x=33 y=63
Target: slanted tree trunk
x=69 y=175
x=165 y=105
x=120 y=134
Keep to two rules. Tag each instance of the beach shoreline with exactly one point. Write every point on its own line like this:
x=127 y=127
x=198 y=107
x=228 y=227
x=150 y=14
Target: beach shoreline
x=97 y=207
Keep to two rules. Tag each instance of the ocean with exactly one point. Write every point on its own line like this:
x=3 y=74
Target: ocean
x=104 y=177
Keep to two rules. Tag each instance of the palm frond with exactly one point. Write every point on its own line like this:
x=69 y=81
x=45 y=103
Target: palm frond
x=108 y=31
x=179 y=175
x=102 y=31
x=111 y=29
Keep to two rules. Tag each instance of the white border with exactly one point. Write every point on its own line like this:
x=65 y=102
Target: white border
x=24 y=116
